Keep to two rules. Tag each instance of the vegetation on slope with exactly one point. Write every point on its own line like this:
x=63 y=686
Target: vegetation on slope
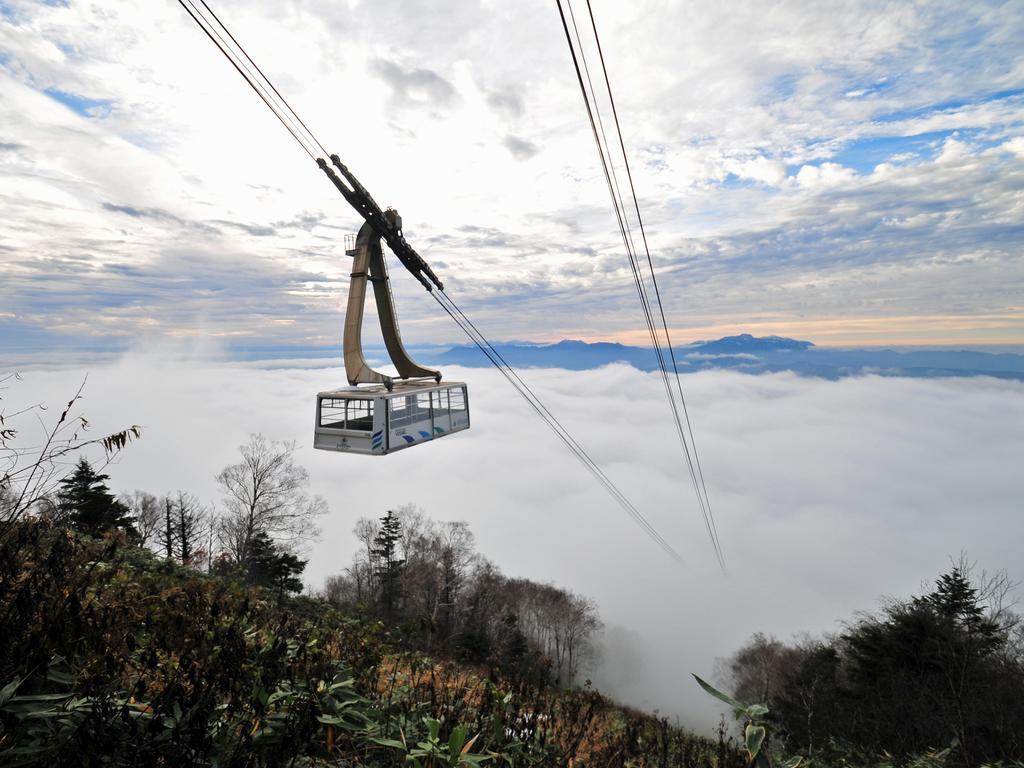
x=427 y=578
x=110 y=655
x=941 y=670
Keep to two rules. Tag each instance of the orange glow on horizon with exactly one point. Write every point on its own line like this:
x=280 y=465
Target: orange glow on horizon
x=1004 y=328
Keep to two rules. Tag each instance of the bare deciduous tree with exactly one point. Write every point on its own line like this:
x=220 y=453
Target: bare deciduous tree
x=456 y=549
x=266 y=492
x=996 y=591
x=168 y=535
x=147 y=514
x=581 y=625
x=191 y=521
x=758 y=668
x=6 y=501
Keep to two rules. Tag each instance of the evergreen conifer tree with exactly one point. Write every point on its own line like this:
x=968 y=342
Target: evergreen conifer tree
x=389 y=564
x=87 y=503
x=956 y=602
x=271 y=566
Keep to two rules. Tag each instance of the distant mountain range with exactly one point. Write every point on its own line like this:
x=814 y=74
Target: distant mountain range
x=748 y=354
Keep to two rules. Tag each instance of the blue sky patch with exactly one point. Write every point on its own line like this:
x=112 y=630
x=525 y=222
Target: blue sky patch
x=783 y=87
x=865 y=154
x=7 y=12
x=946 y=106
x=83 y=105
x=873 y=89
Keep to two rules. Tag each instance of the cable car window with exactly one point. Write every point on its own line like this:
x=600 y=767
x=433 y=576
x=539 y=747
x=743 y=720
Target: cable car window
x=346 y=414
x=401 y=412
x=458 y=400
x=423 y=405
x=439 y=402
x=332 y=413
x=360 y=415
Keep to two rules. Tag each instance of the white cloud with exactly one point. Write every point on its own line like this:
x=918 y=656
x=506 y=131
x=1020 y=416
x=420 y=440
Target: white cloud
x=953 y=151
x=827 y=494
x=762 y=169
x=1016 y=146
x=824 y=175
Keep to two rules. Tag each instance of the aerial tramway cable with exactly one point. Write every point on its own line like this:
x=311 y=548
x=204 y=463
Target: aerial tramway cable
x=243 y=69
x=265 y=78
x=654 y=277
x=549 y=418
x=277 y=104
x=611 y=177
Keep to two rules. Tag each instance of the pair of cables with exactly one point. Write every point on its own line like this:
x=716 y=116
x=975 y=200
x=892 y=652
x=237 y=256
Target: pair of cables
x=553 y=423
x=236 y=54
x=650 y=301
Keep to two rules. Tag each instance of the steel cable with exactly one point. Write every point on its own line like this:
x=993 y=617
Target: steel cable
x=492 y=354
x=246 y=73
x=265 y=78
x=654 y=278
x=626 y=232
x=611 y=178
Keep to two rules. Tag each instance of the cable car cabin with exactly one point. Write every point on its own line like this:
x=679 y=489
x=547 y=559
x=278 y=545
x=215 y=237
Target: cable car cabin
x=374 y=421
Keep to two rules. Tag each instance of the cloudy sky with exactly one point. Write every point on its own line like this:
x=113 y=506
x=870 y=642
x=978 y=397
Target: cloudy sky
x=848 y=172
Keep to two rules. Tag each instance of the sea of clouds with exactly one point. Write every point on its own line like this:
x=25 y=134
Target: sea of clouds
x=827 y=494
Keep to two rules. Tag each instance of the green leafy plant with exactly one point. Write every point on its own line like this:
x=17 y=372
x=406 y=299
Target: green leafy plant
x=755 y=727
x=433 y=751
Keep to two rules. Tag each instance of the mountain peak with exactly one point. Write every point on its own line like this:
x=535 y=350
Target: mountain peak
x=745 y=342
x=578 y=344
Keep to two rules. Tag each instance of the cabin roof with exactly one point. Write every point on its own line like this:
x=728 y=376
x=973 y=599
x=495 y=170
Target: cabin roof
x=379 y=390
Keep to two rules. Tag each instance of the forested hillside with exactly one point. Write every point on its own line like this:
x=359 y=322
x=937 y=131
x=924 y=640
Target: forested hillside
x=427 y=577
x=113 y=655
x=944 y=669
